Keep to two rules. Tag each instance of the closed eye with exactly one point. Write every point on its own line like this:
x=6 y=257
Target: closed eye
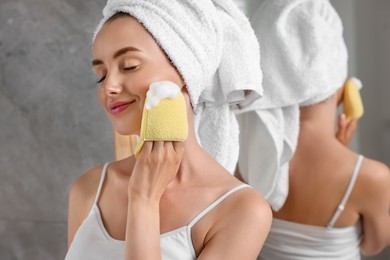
x=130 y=68
x=101 y=80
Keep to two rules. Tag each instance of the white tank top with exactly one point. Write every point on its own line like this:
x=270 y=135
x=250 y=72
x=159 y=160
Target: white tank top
x=92 y=241
x=293 y=241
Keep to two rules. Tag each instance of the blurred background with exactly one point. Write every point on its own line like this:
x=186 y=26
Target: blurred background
x=52 y=128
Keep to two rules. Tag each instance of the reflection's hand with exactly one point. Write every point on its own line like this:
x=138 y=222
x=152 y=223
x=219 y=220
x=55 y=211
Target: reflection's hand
x=345 y=130
x=156 y=166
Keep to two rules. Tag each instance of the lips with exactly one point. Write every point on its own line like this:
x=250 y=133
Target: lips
x=118 y=107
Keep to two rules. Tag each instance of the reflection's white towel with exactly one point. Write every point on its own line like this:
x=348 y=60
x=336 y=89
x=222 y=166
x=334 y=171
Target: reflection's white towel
x=213 y=46
x=304 y=61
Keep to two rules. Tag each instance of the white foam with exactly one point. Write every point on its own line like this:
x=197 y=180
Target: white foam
x=357 y=82
x=160 y=90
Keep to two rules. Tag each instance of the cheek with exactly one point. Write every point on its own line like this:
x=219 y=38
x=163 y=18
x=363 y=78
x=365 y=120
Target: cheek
x=160 y=72
x=139 y=83
x=130 y=124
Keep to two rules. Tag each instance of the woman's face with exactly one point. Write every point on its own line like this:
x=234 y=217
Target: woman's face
x=127 y=60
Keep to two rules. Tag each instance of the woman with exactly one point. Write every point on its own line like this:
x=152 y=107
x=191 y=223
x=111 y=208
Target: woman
x=174 y=201
x=337 y=204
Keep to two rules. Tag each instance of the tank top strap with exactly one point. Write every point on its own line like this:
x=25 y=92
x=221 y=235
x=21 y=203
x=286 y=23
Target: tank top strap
x=215 y=203
x=347 y=193
x=102 y=177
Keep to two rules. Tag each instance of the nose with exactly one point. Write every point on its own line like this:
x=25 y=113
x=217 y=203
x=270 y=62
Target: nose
x=113 y=86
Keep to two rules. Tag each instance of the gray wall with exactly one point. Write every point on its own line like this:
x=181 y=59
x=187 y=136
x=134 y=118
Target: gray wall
x=373 y=66
x=52 y=128
x=372 y=39
x=367 y=31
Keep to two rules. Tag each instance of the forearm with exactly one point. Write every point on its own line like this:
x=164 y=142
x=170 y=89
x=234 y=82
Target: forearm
x=369 y=247
x=375 y=236
x=376 y=213
x=143 y=230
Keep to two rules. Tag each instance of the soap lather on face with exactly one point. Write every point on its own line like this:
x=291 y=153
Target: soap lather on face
x=159 y=91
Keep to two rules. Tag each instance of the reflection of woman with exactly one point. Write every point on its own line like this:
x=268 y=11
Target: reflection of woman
x=338 y=202
x=174 y=201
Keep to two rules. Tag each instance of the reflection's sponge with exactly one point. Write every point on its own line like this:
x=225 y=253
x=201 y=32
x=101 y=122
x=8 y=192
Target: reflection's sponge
x=164 y=116
x=352 y=101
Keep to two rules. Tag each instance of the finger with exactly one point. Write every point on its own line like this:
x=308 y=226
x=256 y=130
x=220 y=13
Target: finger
x=352 y=125
x=342 y=121
x=341 y=128
x=168 y=146
x=351 y=128
x=158 y=146
x=146 y=148
x=178 y=147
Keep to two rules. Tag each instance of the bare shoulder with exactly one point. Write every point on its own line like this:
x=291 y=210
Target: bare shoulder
x=244 y=201
x=244 y=218
x=375 y=166
x=81 y=197
x=373 y=181
x=85 y=186
x=247 y=203
x=253 y=211
x=374 y=173
x=246 y=209
x=253 y=203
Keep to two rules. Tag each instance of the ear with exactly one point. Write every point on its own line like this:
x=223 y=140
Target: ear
x=340 y=95
x=186 y=95
x=184 y=91
x=181 y=83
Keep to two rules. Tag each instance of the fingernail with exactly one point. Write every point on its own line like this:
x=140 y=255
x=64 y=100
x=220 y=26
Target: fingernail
x=343 y=117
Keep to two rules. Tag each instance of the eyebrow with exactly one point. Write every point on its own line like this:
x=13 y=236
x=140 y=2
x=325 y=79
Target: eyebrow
x=117 y=54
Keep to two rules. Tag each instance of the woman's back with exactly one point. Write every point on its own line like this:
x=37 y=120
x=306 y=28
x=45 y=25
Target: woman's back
x=309 y=225
x=335 y=196
x=320 y=173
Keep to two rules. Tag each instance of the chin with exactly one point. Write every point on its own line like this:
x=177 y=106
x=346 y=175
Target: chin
x=126 y=130
x=126 y=125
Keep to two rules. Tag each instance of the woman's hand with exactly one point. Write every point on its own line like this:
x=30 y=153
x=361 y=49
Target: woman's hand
x=345 y=130
x=156 y=166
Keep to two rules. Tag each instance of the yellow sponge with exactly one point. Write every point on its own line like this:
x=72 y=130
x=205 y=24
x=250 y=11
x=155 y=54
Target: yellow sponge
x=352 y=101
x=164 y=118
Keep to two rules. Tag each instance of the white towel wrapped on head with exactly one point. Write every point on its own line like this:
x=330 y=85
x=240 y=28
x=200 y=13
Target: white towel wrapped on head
x=306 y=54
x=214 y=48
x=304 y=61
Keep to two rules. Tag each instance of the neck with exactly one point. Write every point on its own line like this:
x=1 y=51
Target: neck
x=319 y=119
x=194 y=156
